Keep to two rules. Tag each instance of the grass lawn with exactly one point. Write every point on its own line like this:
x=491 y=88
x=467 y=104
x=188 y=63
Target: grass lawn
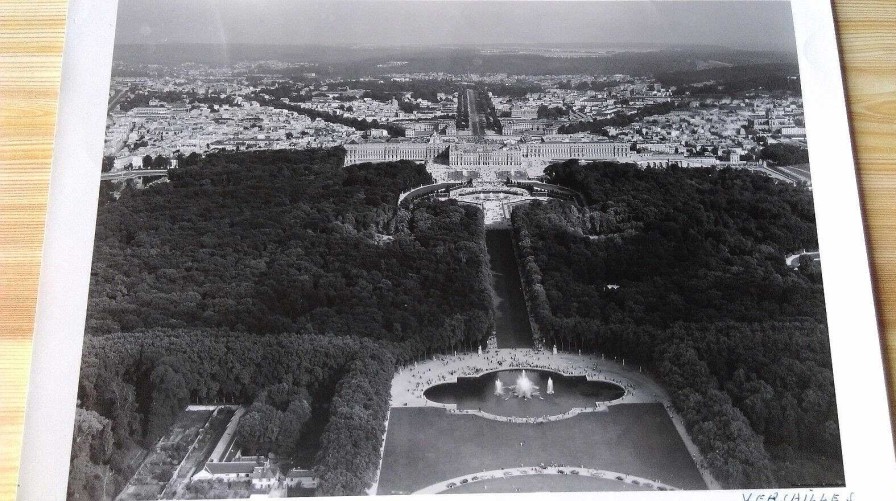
x=806 y=469
x=427 y=445
x=544 y=483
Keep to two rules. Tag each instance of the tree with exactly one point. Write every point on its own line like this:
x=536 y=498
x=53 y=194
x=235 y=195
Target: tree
x=108 y=163
x=292 y=421
x=263 y=243
x=147 y=161
x=551 y=113
x=92 y=445
x=192 y=160
x=258 y=429
x=169 y=396
x=161 y=162
x=704 y=299
x=784 y=154
x=408 y=106
x=93 y=436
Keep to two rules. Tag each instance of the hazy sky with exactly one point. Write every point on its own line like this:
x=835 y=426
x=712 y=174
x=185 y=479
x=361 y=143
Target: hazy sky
x=737 y=23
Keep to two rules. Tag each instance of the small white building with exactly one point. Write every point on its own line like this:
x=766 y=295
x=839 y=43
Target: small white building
x=238 y=469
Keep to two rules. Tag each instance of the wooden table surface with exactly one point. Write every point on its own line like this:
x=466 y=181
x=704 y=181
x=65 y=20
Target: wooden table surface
x=31 y=38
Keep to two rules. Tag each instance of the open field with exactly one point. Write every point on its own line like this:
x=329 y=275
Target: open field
x=426 y=445
x=544 y=483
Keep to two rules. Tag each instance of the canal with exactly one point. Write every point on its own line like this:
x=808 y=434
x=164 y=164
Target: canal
x=511 y=318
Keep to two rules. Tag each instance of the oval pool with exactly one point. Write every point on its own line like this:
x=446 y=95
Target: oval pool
x=480 y=393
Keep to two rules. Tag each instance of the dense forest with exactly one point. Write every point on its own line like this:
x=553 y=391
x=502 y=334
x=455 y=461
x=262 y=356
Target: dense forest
x=620 y=119
x=245 y=247
x=486 y=108
x=272 y=242
x=732 y=80
x=133 y=385
x=138 y=99
x=361 y=124
x=283 y=281
x=683 y=270
x=785 y=154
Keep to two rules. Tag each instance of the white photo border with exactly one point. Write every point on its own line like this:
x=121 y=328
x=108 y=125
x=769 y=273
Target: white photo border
x=865 y=427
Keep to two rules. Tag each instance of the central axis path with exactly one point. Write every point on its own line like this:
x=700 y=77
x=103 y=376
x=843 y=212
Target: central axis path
x=477 y=121
x=512 y=328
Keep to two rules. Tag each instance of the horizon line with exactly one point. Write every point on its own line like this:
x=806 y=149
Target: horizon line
x=465 y=44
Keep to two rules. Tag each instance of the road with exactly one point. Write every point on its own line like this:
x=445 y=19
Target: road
x=131 y=174
x=477 y=120
x=115 y=99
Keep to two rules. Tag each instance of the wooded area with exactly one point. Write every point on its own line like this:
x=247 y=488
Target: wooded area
x=619 y=119
x=361 y=124
x=133 y=385
x=195 y=282
x=683 y=270
x=734 y=80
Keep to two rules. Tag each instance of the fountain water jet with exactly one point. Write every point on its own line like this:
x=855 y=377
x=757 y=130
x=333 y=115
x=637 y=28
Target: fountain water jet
x=524 y=387
x=499 y=388
x=550 y=386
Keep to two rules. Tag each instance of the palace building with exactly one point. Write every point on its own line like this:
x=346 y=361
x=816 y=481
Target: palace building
x=484 y=154
x=382 y=151
x=466 y=155
x=562 y=150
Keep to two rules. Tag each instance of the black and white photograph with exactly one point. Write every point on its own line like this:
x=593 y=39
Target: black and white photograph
x=391 y=247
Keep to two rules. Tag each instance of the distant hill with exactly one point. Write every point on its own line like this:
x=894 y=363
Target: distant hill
x=359 y=61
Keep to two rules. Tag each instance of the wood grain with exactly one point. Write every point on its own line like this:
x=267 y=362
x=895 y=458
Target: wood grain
x=31 y=38
x=868 y=52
